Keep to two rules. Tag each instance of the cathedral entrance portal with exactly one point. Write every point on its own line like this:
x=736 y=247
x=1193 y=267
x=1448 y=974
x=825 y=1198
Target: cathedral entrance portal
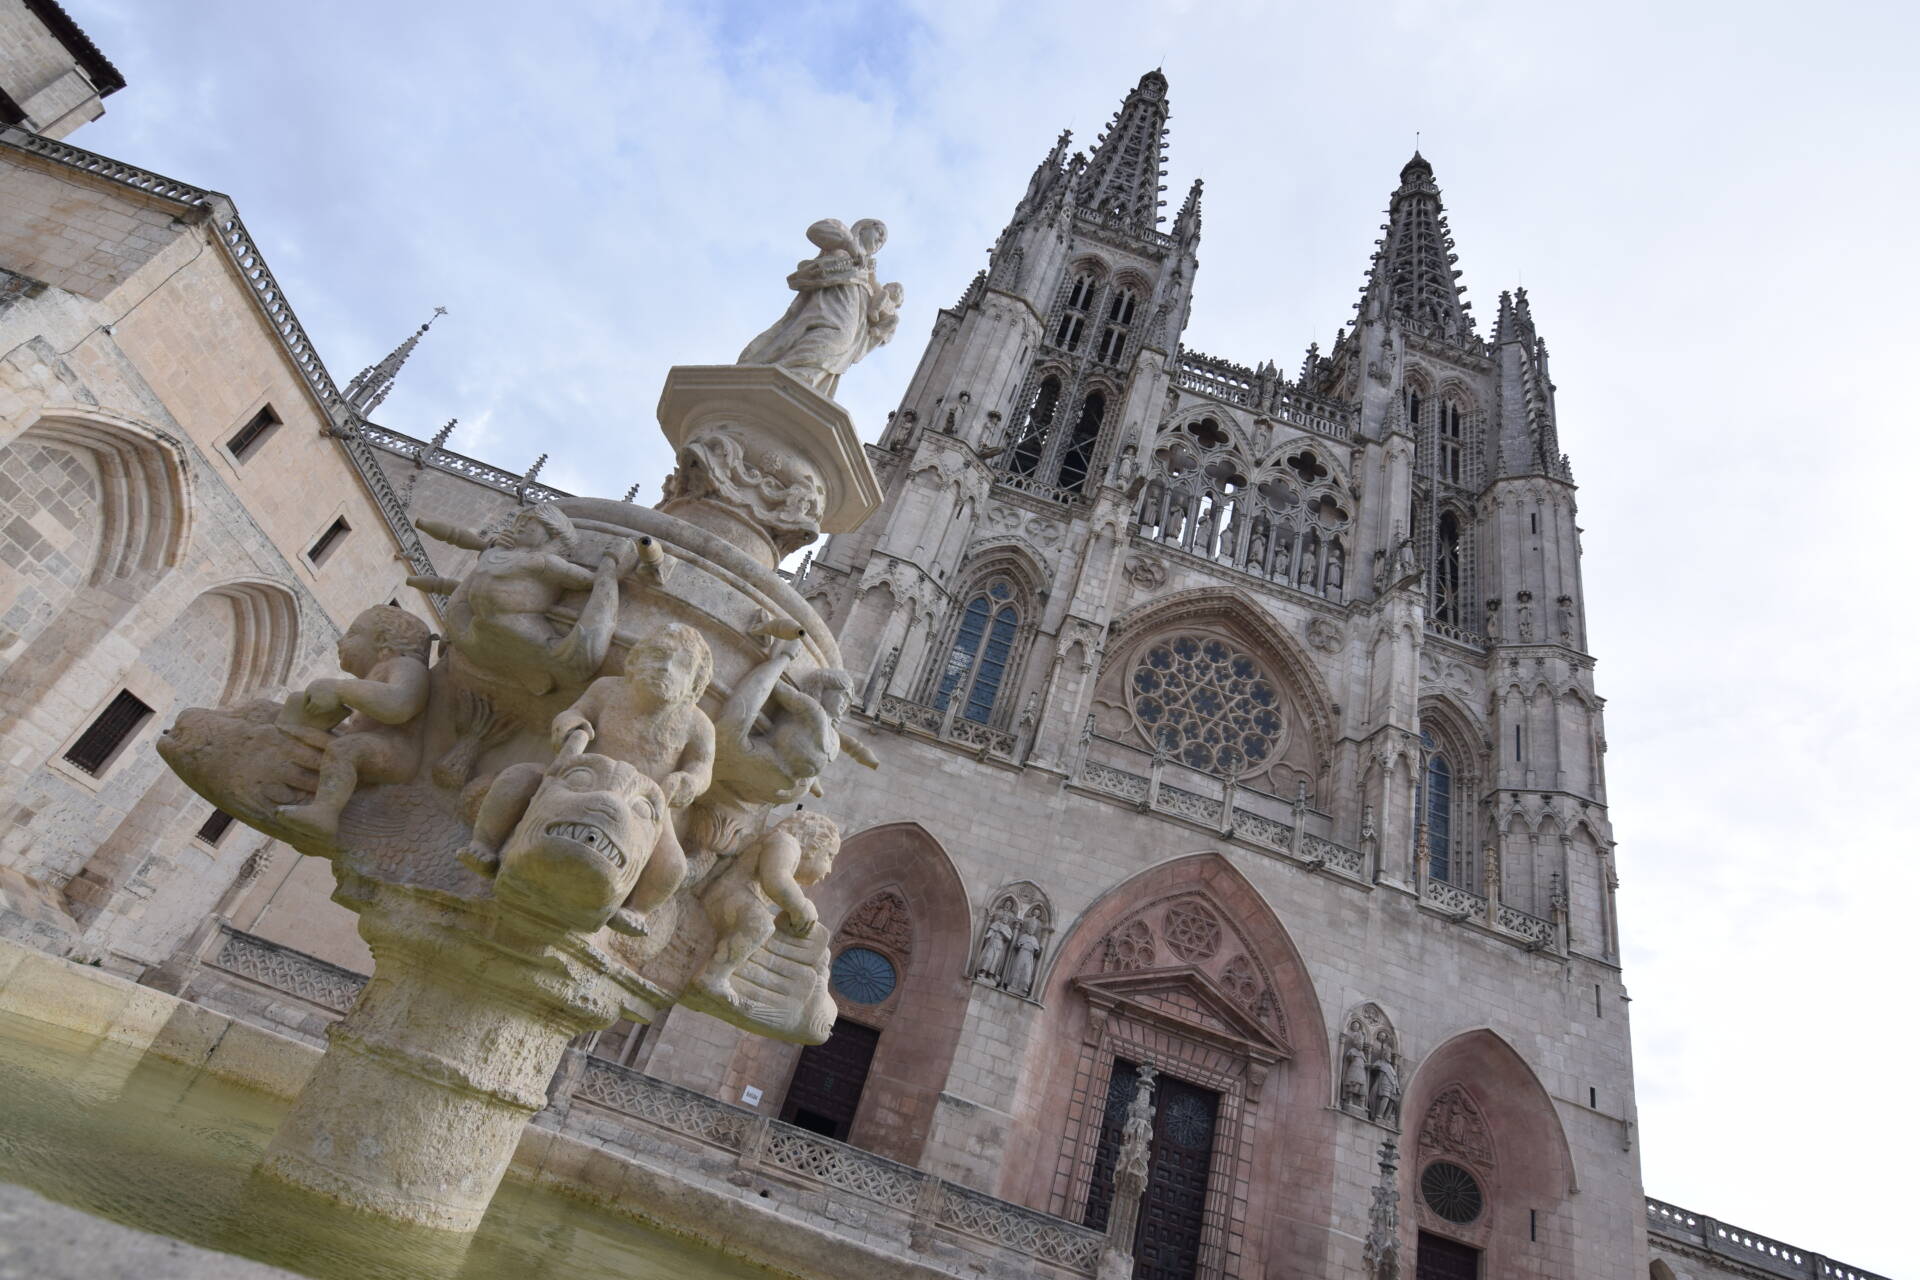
x=1444 y=1259
x=1166 y=1245
x=827 y=1082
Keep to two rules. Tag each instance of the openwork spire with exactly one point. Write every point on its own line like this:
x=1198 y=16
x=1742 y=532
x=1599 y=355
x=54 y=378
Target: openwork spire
x=1413 y=275
x=1125 y=175
x=371 y=385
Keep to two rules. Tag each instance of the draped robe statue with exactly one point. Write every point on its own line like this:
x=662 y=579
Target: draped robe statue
x=839 y=312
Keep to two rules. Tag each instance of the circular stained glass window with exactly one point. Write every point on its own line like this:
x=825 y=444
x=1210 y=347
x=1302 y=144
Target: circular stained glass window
x=1451 y=1192
x=863 y=976
x=1207 y=705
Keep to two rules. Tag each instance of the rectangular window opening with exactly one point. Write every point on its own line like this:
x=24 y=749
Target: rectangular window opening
x=95 y=749
x=1535 y=517
x=1516 y=742
x=250 y=437
x=1596 y=1001
x=1593 y=1097
x=323 y=548
x=214 y=827
x=1533 y=1224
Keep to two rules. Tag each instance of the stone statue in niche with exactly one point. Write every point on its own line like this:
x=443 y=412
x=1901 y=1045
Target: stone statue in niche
x=763 y=891
x=385 y=653
x=498 y=616
x=648 y=718
x=840 y=311
x=1493 y=619
x=1336 y=567
x=1565 y=619
x=995 y=943
x=1523 y=620
x=1026 y=958
x=1353 y=1074
x=1383 y=1089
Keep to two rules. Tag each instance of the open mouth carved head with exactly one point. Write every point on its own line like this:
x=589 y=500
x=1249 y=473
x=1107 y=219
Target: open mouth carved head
x=592 y=836
x=586 y=836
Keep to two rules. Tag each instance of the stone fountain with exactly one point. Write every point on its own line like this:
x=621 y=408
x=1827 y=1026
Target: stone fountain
x=564 y=810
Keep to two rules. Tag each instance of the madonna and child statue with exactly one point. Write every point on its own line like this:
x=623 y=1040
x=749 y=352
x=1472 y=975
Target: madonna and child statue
x=586 y=789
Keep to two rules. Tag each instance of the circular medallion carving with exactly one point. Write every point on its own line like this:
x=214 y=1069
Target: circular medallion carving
x=1208 y=704
x=1193 y=931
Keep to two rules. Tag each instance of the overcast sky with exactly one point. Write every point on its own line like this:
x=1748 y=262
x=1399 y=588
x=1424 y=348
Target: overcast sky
x=1709 y=204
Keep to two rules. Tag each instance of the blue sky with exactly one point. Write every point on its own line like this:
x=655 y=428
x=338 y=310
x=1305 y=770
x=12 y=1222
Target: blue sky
x=1707 y=202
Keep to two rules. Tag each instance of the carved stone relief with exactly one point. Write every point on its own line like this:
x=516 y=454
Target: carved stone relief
x=1455 y=1127
x=1013 y=939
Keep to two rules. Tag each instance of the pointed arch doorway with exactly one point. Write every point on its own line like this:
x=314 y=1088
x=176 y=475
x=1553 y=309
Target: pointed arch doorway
x=1167 y=1241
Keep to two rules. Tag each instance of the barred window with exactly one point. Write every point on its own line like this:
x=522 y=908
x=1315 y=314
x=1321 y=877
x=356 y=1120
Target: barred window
x=95 y=749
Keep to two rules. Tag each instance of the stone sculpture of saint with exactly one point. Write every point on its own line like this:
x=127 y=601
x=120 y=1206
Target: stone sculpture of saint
x=993 y=948
x=839 y=312
x=1383 y=1090
x=1026 y=959
x=1353 y=1074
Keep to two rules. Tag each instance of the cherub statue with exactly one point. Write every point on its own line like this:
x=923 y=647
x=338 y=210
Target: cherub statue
x=774 y=737
x=649 y=718
x=764 y=888
x=839 y=313
x=384 y=652
x=498 y=614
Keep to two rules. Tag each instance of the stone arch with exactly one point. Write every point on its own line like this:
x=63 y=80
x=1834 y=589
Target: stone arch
x=1659 y=1270
x=144 y=494
x=1475 y=1102
x=915 y=1051
x=1255 y=627
x=266 y=635
x=1187 y=967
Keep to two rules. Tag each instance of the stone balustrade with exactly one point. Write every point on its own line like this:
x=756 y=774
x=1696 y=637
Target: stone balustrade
x=917 y=717
x=1698 y=1234
x=922 y=1204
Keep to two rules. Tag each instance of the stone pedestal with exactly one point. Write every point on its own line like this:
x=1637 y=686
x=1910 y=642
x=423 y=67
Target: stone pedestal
x=416 y=1109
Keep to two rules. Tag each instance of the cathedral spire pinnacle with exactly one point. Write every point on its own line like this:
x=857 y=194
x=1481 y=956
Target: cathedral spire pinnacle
x=1413 y=275
x=1125 y=175
x=1186 y=227
x=371 y=385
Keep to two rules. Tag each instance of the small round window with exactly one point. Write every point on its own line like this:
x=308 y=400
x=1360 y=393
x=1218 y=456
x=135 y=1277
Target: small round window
x=863 y=975
x=1451 y=1192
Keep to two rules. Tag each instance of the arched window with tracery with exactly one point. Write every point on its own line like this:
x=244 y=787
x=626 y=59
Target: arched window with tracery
x=1450 y=441
x=1077 y=457
x=1031 y=445
x=974 y=669
x=1073 y=314
x=1446 y=570
x=1113 y=336
x=1436 y=810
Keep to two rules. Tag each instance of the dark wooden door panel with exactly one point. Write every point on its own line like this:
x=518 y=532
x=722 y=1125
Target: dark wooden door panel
x=1444 y=1259
x=825 y=1093
x=1173 y=1211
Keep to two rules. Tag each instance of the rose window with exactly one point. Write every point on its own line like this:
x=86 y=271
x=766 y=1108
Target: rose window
x=1209 y=705
x=1451 y=1192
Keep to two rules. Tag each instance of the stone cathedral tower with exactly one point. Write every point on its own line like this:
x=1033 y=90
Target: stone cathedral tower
x=1268 y=699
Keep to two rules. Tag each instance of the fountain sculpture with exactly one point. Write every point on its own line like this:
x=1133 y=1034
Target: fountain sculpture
x=567 y=814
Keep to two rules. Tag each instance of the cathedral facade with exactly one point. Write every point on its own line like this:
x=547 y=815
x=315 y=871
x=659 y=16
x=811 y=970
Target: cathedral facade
x=1235 y=725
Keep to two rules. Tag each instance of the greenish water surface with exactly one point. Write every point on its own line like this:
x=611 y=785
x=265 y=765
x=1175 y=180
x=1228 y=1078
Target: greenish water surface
x=157 y=1146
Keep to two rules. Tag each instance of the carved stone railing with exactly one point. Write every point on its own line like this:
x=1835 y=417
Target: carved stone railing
x=1211 y=376
x=905 y=713
x=101 y=166
x=1320 y=850
x=1525 y=925
x=1459 y=635
x=284 y=969
x=1034 y=489
x=1125 y=226
x=1696 y=1232
x=466 y=468
x=1262 y=830
x=1452 y=899
x=1182 y=803
x=797 y=1155
x=1115 y=782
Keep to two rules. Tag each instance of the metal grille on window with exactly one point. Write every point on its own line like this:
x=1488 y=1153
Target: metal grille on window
x=1451 y=1192
x=96 y=747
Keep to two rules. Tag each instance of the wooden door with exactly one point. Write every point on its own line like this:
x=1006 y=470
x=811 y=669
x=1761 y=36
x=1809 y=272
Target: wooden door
x=825 y=1093
x=1443 y=1259
x=1166 y=1245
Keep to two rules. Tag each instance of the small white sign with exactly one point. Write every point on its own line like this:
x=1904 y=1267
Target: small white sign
x=750 y=1095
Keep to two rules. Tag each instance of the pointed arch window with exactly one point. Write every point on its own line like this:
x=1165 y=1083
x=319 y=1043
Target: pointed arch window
x=976 y=663
x=1073 y=317
x=1113 y=338
x=1026 y=455
x=1450 y=441
x=1413 y=408
x=1436 y=809
x=1446 y=570
x=1078 y=455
